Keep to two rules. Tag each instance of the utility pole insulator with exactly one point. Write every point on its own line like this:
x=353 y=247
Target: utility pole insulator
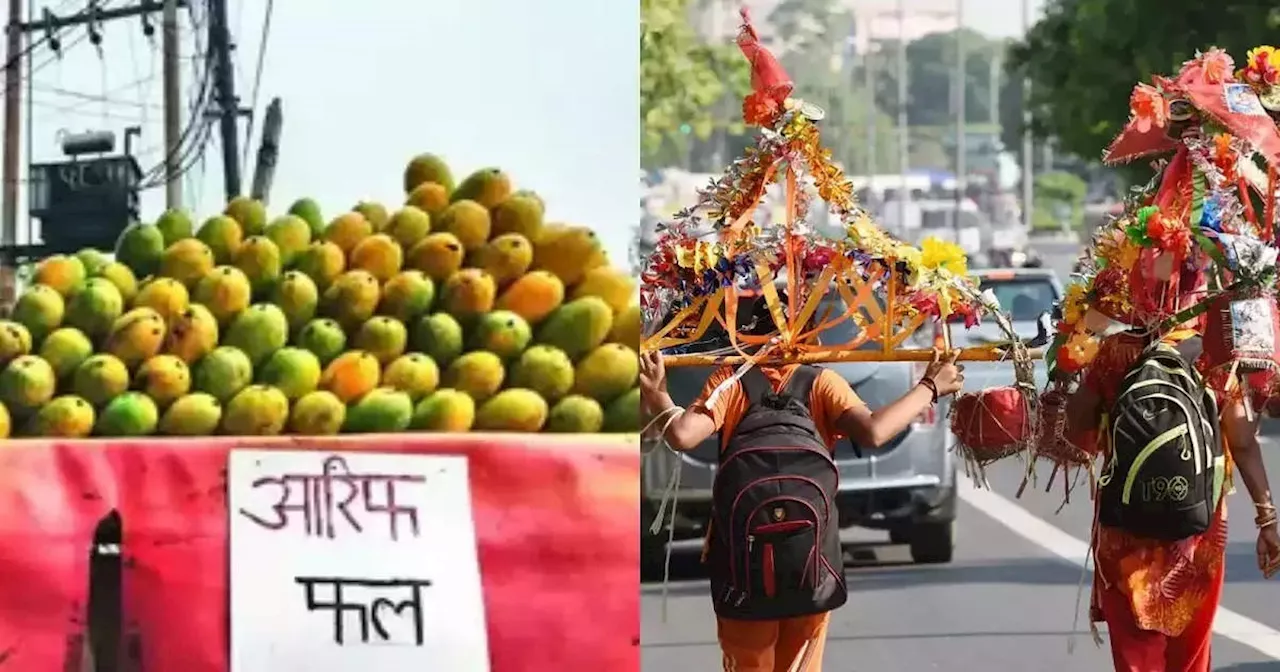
x=95 y=26
x=51 y=33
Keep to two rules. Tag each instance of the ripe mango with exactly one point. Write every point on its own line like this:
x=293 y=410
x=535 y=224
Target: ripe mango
x=347 y=230
x=130 y=414
x=15 y=341
x=224 y=236
x=174 y=225
x=40 y=309
x=444 y=411
x=616 y=287
x=468 y=294
x=627 y=326
x=93 y=261
x=26 y=384
x=195 y=414
x=379 y=255
x=65 y=417
x=533 y=296
x=439 y=336
x=293 y=371
x=414 y=374
x=468 y=221
x=119 y=275
x=575 y=414
x=501 y=332
x=192 y=335
x=259 y=258
x=64 y=274
x=225 y=291
x=292 y=235
x=257 y=410
x=568 y=252
x=164 y=378
x=297 y=296
x=100 y=378
x=383 y=337
x=140 y=247
x=136 y=337
x=351 y=299
x=623 y=414
x=376 y=213
x=323 y=262
x=258 y=332
x=407 y=296
x=186 y=261
x=95 y=308
x=324 y=338
x=381 y=410
x=577 y=327
x=506 y=258
x=318 y=413
x=351 y=375
x=439 y=255
x=512 y=410
x=427 y=168
x=6 y=423
x=607 y=372
x=487 y=186
x=409 y=226
x=223 y=373
x=479 y=374
x=66 y=349
x=309 y=211
x=429 y=197
x=521 y=214
x=251 y=214
x=545 y=370
x=166 y=296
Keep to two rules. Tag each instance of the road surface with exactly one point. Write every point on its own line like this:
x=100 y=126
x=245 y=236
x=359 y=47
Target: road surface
x=1005 y=604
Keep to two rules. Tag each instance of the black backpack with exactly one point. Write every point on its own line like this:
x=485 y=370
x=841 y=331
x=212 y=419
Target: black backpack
x=775 y=535
x=1163 y=479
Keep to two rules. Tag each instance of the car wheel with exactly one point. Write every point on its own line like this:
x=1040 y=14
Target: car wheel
x=933 y=543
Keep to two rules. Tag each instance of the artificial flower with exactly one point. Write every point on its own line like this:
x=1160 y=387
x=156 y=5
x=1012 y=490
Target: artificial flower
x=1216 y=65
x=1262 y=66
x=1074 y=303
x=1168 y=234
x=938 y=255
x=1078 y=352
x=1148 y=108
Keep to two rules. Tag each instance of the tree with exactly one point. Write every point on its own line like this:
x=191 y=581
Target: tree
x=1084 y=57
x=931 y=71
x=683 y=81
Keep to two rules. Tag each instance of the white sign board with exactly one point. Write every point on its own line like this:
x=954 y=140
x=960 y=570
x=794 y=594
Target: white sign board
x=353 y=561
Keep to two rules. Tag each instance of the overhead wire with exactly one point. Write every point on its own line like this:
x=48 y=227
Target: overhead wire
x=257 y=83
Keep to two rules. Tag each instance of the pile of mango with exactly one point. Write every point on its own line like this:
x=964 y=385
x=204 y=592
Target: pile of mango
x=463 y=310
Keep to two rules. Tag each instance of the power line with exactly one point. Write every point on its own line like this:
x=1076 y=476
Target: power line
x=257 y=82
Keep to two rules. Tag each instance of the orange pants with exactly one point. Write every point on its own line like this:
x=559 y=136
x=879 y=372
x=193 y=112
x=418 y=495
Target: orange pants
x=1136 y=650
x=789 y=645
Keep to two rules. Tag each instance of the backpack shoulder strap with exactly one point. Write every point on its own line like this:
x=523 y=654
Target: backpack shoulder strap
x=801 y=383
x=754 y=385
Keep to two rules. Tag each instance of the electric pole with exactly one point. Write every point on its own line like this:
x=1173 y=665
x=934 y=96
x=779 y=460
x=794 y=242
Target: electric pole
x=264 y=171
x=172 y=107
x=12 y=143
x=229 y=105
x=903 y=131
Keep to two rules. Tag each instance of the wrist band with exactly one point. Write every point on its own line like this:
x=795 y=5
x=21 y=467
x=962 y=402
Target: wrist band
x=933 y=388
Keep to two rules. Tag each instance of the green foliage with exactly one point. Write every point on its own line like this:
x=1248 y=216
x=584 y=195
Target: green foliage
x=931 y=68
x=1085 y=56
x=684 y=82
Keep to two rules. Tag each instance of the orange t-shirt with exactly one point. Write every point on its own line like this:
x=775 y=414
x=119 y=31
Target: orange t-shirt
x=829 y=397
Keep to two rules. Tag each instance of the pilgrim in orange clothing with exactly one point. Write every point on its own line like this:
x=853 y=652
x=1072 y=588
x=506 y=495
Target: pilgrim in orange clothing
x=793 y=644
x=1157 y=598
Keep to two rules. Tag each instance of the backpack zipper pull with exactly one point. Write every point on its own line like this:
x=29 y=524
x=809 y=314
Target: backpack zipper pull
x=751 y=541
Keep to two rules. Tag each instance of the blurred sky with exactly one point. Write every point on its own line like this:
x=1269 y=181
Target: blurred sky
x=546 y=90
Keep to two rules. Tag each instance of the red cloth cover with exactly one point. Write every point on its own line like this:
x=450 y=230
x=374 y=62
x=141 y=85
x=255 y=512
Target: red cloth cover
x=992 y=419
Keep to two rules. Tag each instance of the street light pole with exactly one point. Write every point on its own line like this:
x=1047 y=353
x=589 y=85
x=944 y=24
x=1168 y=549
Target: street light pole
x=903 y=131
x=1028 y=148
x=962 y=170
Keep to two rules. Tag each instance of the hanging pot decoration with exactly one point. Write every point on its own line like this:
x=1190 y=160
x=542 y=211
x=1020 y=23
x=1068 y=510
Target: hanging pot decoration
x=991 y=424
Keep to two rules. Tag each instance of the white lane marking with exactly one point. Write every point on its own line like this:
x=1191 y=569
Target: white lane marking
x=1237 y=627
